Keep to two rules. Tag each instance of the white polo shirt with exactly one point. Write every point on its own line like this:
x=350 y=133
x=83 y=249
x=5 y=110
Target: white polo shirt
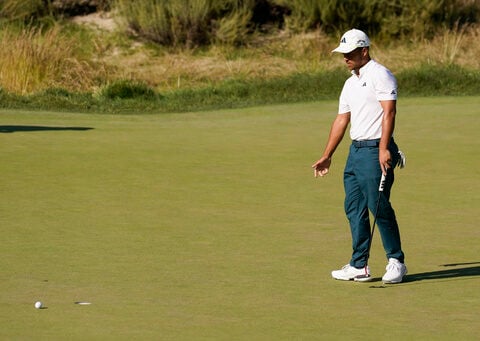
x=361 y=95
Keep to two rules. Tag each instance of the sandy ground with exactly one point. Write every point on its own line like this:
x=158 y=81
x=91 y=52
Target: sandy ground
x=102 y=20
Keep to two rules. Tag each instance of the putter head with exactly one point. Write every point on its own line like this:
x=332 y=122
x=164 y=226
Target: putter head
x=363 y=278
x=402 y=160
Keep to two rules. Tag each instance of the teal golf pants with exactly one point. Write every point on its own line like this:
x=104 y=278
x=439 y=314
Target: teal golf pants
x=361 y=180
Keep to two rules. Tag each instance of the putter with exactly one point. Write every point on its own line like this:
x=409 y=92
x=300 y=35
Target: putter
x=380 y=190
x=366 y=277
x=401 y=163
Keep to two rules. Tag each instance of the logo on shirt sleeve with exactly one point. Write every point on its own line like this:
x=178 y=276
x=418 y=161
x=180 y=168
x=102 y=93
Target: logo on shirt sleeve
x=393 y=92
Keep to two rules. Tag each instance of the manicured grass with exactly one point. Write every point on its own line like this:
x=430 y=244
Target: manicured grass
x=211 y=226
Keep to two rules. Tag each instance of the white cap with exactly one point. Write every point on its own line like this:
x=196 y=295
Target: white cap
x=351 y=40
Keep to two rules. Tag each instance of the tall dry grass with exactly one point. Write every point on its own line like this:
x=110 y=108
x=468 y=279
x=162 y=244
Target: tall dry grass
x=32 y=59
x=267 y=57
x=460 y=46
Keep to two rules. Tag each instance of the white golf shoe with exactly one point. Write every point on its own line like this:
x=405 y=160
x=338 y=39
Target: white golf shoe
x=395 y=272
x=350 y=273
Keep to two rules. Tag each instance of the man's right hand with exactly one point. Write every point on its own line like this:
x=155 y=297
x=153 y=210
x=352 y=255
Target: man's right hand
x=322 y=166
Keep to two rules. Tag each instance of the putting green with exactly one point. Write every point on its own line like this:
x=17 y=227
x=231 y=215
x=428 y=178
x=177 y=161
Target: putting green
x=211 y=226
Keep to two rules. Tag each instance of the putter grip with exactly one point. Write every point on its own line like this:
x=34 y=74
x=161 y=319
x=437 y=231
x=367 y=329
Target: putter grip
x=382 y=183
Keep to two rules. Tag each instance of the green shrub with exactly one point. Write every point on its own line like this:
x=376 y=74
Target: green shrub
x=187 y=23
x=386 y=18
x=29 y=11
x=233 y=28
x=24 y=10
x=167 y=22
x=127 y=89
x=62 y=99
x=201 y=22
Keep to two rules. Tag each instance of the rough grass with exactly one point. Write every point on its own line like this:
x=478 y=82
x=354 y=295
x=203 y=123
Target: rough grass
x=95 y=65
x=211 y=226
x=130 y=97
x=33 y=59
x=285 y=54
x=36 y=63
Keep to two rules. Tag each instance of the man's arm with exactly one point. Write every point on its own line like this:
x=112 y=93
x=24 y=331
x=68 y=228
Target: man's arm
x=337 y=131
x=388 y=125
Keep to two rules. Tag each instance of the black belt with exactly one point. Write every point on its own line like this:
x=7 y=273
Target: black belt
x=366 y=143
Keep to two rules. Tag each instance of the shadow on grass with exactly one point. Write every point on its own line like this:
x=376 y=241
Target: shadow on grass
x=19 y=128
x=443 y=274
x=436 y=275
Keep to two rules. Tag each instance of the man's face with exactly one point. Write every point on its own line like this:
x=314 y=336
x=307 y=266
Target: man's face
x=356 y=59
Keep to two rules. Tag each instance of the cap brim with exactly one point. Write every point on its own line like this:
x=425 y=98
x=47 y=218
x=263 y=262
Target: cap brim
x=344 y=49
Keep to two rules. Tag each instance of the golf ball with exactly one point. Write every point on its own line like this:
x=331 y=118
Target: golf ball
x=38 y=304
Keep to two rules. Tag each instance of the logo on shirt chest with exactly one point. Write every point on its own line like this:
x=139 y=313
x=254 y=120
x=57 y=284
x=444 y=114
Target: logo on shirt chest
x=364 y=84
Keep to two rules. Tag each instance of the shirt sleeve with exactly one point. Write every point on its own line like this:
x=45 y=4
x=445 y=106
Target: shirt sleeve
x=343 y=106
x=386 y=86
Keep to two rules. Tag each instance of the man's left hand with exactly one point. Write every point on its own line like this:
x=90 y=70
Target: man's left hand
x=385 y=159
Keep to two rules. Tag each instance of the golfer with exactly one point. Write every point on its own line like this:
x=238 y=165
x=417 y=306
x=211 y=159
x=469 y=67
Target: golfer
x=368 y=103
